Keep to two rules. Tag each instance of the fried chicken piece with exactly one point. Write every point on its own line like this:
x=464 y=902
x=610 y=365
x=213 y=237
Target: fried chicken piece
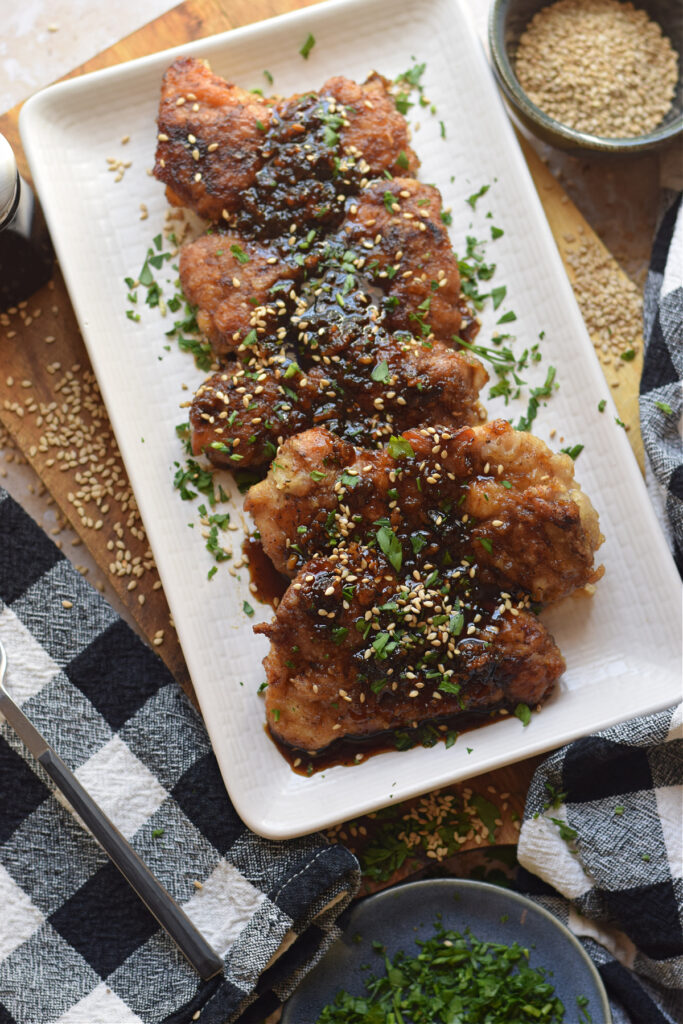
x=233 y=413
x=223 y=151
x=408 y=254
x=209 y=144
x=496 y=499
x=375 y=129
x=235 y=284
x=392 y=655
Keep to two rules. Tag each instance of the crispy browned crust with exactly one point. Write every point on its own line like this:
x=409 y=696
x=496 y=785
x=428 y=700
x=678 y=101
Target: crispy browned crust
x=216 y=114
x=513 y=505
x=230 y=280
x=426 y=383
x=213 y=137
x=323 y=686
x=399 y=225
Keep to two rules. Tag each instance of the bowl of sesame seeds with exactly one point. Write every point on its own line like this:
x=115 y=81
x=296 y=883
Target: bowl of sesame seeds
x=598 y=75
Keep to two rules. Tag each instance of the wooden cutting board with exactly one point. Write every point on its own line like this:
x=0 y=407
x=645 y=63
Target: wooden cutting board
x=49 y=400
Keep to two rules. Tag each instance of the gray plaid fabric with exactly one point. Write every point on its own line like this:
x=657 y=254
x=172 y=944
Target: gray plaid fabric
x=602 y=836
x=76 y=944
x=660 y=386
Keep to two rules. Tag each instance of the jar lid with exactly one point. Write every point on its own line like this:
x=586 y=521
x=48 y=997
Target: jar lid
x=9 y=180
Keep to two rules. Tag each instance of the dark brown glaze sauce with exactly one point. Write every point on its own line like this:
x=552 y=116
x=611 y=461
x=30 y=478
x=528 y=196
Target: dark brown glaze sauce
x=349 y=753
x=270 y=584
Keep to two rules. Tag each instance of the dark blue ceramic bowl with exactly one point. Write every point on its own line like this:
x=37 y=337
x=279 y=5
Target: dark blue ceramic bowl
x=400 y=915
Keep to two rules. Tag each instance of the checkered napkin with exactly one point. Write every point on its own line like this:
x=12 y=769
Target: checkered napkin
x=660 y=386
x=76 y=944
x=603 y=836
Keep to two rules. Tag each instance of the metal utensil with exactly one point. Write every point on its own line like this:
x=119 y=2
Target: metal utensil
x=158 y=901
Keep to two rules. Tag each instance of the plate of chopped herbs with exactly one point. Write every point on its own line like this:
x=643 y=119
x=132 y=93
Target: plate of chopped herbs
x=124 y=252
x=451 y=951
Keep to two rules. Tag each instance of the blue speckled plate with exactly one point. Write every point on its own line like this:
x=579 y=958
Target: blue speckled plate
x=398 y=916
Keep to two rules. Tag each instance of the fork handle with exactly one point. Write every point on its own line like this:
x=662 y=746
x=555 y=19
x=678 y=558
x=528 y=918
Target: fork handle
x=158 y=901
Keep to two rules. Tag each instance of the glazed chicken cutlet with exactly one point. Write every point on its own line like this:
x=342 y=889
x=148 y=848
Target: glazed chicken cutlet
x=228 y=153
x=415 y=570
x=416 y=542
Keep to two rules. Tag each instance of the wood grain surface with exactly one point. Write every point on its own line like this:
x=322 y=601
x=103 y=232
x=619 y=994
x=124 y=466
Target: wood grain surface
x=50 y=403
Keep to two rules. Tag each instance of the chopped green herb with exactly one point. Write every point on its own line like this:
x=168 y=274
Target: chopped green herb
x=496 y=232
x=497 y=295
x=268 y=77
x=247 y=609
x=390 y=546
x=523 y=713
x=212 y=571
x=317 y=475
x=400 y=448
x=239 y=254
x=573 y=451
x=472 y=200
x=507 y=318
x=665 y=407
x=157 y=833
x=308 y=46
x=619 y=810
x=381 y=372
x=486 y=544
x=276 y=714
x=402 y=160
x=447 y=217
x=566 y=832
x=628 y=356
x=601 y=404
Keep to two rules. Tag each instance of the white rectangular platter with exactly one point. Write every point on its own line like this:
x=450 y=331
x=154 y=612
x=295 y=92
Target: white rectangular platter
x=622 y=647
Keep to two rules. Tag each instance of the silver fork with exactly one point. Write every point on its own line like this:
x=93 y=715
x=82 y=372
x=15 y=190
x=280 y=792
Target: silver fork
x=158 y=901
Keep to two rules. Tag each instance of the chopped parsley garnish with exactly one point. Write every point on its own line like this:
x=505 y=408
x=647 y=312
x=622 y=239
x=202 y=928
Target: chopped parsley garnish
x=602 y=403
x=239 y=254
x=573 y=451
x=523 y=713
x=268 y=77
x=544 y=391
x=454 y=978
x=402 y=160
x=507 y=318
x=486 y=544
x=566 y=832
x=497 y=295
x=317 y=475
x=247 y=609
x=496 y=232
x=665 y=407
x=308 y=46
x=400 y=448
x=390 y=545
x=472 y=200
x=628 y=356
x=349 y=479
x=447 y=217
x=381 y=373
x=391 y=203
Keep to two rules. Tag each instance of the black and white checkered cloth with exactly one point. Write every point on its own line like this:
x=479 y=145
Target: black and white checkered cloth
x=76 y=944
x=601 y=845
x=610 y=863
x=660 y=385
